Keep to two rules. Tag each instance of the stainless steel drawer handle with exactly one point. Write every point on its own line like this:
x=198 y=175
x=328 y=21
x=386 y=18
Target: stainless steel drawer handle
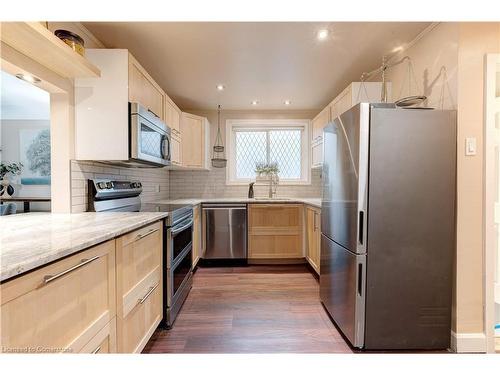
x=151 y=290
x=47 y=279
x=96 y=350
x=142 y=235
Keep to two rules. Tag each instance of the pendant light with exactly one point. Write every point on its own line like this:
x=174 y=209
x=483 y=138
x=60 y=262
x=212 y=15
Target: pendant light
x=218 y=156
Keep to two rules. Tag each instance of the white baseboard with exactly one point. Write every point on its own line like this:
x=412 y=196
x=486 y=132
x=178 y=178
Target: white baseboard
x=468 y=342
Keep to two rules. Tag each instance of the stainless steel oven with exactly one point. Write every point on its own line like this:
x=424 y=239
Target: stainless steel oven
x=149 y=137
x=179 y=261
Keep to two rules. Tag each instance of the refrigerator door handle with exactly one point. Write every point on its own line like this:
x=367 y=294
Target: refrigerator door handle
x=360 y=279
x=361 y=227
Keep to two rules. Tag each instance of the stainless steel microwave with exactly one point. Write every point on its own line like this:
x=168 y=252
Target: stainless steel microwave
x=149 y=138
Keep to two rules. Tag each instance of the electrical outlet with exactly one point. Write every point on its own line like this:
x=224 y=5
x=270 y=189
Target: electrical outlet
x=157 y=188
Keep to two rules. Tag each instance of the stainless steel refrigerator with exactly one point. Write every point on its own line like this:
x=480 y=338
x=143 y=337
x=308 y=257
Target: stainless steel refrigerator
x=388 y=226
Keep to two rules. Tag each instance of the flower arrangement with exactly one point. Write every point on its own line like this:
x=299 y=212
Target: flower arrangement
x=266 y=169
x=12 y=168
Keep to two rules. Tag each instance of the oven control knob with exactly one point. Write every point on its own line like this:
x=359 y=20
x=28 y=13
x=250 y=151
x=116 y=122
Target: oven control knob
x=109 y=185
x=139 y=185
x=101 y=185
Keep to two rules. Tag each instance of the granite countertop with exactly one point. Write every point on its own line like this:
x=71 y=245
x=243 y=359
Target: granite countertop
x=28 y=241
x=316 y=202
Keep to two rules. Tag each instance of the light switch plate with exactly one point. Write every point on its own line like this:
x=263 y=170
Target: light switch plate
x=157 y=188
x=470 y=146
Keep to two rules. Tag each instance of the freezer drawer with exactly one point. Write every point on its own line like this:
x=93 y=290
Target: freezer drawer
x=342 y=288
x=225 y=231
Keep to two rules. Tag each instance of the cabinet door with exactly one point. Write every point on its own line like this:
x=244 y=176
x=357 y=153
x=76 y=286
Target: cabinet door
x=193 y=138
x=313 y=226
x=143 y=90
x=172 y=116
x=319 y=122
x=104 y=341
x=138 y=286
x=176 y=156
x=275 y=231
x=62 y=306
x=317 y=154
x=196 y=234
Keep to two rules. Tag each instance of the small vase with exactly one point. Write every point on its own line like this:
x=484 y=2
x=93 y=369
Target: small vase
x=6 y=190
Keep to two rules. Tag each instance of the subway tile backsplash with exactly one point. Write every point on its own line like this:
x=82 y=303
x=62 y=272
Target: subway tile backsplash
x=212 y=184
x=176 y=184
x=151 y=178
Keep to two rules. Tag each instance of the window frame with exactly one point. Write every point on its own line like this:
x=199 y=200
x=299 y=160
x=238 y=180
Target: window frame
x=232 y=125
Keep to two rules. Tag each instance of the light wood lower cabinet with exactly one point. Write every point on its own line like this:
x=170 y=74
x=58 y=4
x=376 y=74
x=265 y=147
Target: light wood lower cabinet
x=60 y=307
x=104 y=341
x=139 y=286
x=275 y=231
x=313 y=233
x=196 y=234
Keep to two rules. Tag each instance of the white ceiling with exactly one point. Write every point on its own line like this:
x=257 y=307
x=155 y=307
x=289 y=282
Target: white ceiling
x=267 y=61
x=21 y=100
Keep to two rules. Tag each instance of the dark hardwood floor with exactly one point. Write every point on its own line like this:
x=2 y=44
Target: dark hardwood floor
x=254 y=309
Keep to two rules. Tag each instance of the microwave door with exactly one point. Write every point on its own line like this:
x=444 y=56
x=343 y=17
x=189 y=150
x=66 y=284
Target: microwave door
x=148 y=142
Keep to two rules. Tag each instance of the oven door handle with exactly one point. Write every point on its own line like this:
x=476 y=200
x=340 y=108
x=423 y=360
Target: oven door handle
x=176 y=230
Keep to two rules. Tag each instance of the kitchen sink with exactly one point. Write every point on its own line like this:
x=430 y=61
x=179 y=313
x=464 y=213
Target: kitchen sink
x=272 y=199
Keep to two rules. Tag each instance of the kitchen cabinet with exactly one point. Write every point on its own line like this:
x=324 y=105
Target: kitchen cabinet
x=195 y=136
x=64 y=306
x=143 y=89
x=275 y=231
x=104 y=341
x=196 y=234
x=353 y=94
x=101 y=104
x=139 y=287
x=175 y=151
x=173 y=117
x=313 y=233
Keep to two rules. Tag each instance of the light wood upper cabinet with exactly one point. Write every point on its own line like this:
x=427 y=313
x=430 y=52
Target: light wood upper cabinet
x=175 y=151
x=319 y=122
x=356 y=92
x=313 y=232
x=195 y=135
x=172 y=116
x=139 y=287
x=63 y=306
x=275 y=231
x=143 y=89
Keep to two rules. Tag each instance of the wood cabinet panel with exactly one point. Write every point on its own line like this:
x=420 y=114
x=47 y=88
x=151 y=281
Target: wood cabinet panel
x=194 y=141
x=175 y=149
x=313 y=233
x=143 y=90
x=139 y=286
x=275 y=231
x=317 y=155
x=172 y=116
x=60 y=307
x=318 y=123
x=104 y=341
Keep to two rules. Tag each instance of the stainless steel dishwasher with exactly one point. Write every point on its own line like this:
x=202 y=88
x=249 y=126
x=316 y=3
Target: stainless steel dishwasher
x=225 y=231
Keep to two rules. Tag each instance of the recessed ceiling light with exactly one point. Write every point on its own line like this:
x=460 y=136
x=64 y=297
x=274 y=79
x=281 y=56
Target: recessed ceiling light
x=287 y=102
x=255 y=102
x=28 y=78
x=220 y=87
x=397 y=49
x=323 y=34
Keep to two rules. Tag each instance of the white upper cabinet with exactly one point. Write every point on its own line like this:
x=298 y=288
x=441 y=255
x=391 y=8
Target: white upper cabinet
x=101 y=104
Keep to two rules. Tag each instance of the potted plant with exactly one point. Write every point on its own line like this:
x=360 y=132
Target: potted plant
x=13 y=169
x=264 y=171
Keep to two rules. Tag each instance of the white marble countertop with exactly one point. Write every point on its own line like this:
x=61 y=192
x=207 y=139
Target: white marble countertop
x=316 y=202
x=28 y=241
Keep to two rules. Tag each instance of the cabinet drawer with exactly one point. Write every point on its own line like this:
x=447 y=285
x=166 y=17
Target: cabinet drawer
x=269 y=246
x=60 y=307
x=139 y=265
x=135 y=329
x=104 y=341
x=275 y=216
